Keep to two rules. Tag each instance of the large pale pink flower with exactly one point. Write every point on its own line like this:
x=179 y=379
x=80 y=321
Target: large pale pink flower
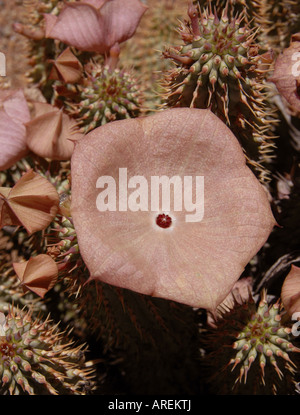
x=14 y=113
x=157 y=251
x=95 y=25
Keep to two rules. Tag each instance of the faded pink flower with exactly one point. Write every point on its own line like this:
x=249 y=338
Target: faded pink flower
x=290 y=292
x=66 y=68
x=32 y=203
x=59 y=132
x=95 y=25
x=157 y=251
x=14 y=112
x=38 y=275
x=286 y=75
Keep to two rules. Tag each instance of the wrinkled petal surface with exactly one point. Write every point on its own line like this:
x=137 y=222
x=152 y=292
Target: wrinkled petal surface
x=32 y=202
x=50 y=133
x=79 y=25
x=66 y=68
x=195 y=263
x=13 y=115
x=121 y=19
x=39 y=274
x=89 y=27
x=287 y=74
x=96 y=3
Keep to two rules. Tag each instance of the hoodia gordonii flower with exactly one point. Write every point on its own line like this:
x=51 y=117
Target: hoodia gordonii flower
x=191 y=248
x=37 y=359
x=290 y=292
x=286 y=75
x=14 y=112
x=102 y=24
x=32 y=202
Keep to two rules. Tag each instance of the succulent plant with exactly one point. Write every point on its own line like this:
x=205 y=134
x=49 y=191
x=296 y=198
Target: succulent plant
x=233 y=7
x=251 y=349
x=97 y=269
x=11 y=292
x=143 y=52
x=277 y=20
x=42 y=51
x=63 y=244
x=218 y=67
x=104 y=95
x=112 y=313
x=113 y=240
x=35 y=358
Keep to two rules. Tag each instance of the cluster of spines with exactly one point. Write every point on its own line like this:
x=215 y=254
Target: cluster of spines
x=219 y=67
x=255 y=341
x=143 y=52
x=40 y=50
x=35 y=9
x=63 y=244
x=263 y=338
x=11 y=292
x=10 y=176
x=249 y=8
x=277 y=21
x=104 y=95
x=35 y=358
x=214 y=52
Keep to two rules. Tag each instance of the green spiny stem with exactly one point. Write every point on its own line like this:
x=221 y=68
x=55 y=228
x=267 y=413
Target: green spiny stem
x=37 y=359
x=105 y=95
x=257 y=345
x=218 y=67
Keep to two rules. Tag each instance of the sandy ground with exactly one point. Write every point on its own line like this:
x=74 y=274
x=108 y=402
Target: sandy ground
x=12 y=44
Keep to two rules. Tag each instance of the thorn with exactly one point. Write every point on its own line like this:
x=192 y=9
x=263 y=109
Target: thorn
x=193 y=15
x=236 y=361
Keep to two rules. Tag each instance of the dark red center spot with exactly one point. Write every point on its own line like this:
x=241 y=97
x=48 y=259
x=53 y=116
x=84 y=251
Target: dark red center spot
x=164 y=221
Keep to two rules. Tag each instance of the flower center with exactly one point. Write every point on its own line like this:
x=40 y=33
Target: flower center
x=164 y=221
x=257 y=330
x=6 y=350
